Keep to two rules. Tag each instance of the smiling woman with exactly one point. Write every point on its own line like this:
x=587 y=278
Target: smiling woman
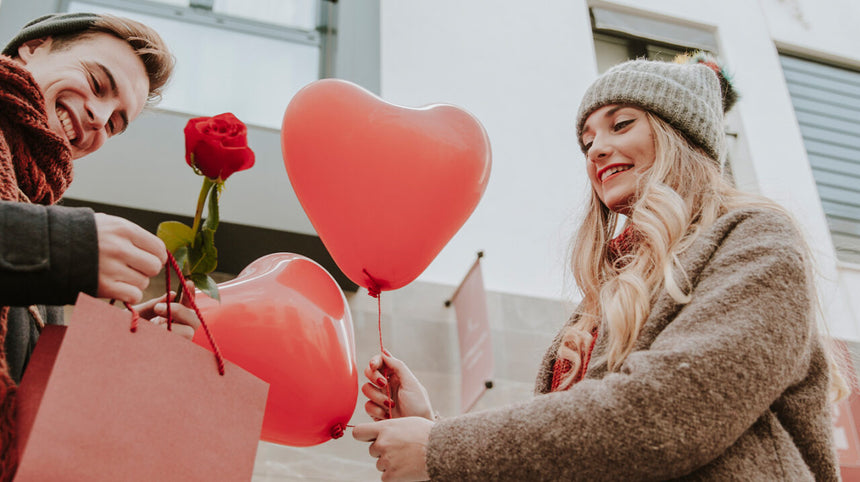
x=619 y=148
x=694 y=354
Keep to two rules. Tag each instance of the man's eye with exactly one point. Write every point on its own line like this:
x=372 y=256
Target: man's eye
x=97 y=87
x=622 y=124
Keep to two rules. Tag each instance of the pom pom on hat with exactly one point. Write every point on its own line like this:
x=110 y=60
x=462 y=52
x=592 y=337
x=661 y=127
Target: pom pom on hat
x=730 y=94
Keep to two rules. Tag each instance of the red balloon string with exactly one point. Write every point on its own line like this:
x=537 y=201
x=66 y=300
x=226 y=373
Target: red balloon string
x=375 y=291
x=167 y=299
x=134 y=317
x=218 y=357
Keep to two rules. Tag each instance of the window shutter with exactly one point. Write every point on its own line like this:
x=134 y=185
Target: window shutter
x=827 y=104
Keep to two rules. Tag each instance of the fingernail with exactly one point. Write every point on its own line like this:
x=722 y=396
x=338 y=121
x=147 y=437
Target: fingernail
x=389 y=403
x=381 y=381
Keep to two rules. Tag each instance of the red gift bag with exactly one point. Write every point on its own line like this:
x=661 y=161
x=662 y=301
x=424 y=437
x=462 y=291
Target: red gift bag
x=99 y=402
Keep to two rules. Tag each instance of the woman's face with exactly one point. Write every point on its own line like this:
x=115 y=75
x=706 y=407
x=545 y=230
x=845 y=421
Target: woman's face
x=619 y=148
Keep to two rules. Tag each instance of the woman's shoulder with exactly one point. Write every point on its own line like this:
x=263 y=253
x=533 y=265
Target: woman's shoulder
x=747 y=236
x=755 y=224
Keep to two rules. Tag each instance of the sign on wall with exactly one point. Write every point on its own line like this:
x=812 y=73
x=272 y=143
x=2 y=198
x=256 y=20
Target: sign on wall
x=473 y=330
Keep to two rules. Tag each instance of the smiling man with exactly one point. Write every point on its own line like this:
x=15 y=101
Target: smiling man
x=68 y=82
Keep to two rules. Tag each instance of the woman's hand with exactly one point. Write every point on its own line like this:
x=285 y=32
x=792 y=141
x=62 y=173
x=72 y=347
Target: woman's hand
x=408 y=397
x=400 y=447
x=185 y=321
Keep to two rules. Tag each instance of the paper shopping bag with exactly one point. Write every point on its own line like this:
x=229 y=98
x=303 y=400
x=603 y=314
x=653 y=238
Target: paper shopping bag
x=101 y=403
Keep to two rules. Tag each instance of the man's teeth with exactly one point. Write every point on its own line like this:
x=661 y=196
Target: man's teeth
x=612 y=171
x=66 y=121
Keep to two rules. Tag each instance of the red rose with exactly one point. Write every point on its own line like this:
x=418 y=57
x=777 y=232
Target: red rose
x=217 y=146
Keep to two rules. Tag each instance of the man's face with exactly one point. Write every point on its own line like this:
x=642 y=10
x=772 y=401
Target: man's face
x=93 y=87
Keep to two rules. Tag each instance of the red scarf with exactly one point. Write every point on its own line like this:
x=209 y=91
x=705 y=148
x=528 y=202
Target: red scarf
x=35 y=167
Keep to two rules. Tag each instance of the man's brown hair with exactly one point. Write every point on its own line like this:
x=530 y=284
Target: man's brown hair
x=147 y=44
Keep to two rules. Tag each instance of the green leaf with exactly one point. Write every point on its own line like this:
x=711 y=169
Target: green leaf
x=213 y=217
x=181 y=256
x=175 y=235
x=203 y=256
x=206 y=284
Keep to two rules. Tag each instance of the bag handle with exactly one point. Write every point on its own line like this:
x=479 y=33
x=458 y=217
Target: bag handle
x=171 y=263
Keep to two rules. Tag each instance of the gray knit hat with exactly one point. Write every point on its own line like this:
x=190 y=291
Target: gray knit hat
x=50 y=26
x=686 y=95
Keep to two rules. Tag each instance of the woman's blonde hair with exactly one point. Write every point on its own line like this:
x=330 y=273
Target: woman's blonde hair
x=680 y=196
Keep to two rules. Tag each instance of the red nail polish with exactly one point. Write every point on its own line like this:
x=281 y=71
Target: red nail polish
x=381 y=381
x=389 y=403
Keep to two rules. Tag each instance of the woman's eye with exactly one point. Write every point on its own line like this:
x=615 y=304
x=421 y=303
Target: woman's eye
x=587 y=146
x=622 y=124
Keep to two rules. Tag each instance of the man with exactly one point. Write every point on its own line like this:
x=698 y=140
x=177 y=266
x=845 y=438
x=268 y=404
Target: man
x=68 y=82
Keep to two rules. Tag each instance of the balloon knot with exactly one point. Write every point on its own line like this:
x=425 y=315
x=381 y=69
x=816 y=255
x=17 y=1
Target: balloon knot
x=373 y=289
x=337 y=431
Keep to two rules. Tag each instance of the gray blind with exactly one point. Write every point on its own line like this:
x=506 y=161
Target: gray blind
x=827 y=103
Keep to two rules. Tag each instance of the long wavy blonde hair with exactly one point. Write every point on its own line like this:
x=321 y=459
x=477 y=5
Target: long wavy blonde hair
x=680 y=196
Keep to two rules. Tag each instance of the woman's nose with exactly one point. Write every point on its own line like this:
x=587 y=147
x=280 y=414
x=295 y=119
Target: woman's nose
x=598 y=149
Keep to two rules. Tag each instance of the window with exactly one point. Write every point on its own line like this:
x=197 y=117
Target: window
x=620 y=36
x=827 y=104
x=248 y=57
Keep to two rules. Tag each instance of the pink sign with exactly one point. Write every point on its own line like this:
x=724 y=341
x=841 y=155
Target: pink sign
x=846 y=415
x=473 y=329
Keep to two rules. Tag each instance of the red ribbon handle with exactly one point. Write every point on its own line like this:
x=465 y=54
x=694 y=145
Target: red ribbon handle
x=171 y=263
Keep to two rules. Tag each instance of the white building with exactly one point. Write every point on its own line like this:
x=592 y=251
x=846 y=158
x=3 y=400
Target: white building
x=521 y=68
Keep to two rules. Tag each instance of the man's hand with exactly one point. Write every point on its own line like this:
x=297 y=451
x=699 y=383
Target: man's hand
x=185 y=320
x=128 y=256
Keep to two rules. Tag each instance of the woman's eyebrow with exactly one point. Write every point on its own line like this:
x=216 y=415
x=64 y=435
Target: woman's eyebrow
x=587 y=128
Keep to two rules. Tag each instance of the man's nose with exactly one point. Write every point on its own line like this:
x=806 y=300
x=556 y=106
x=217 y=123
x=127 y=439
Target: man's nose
x=98 y=113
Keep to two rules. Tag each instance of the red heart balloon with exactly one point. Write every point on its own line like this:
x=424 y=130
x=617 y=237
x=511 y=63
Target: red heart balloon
x=385 y=187
x=285 y=319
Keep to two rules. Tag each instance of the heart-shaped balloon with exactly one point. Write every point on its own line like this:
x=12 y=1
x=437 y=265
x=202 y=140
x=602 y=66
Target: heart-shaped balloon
x=285 y=319
x=385 y=186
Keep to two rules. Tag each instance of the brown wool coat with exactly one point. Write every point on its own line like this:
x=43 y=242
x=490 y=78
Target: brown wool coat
x=731 y=386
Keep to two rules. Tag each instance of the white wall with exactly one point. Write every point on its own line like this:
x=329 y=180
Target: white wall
x=823 y=29
x=521 y=70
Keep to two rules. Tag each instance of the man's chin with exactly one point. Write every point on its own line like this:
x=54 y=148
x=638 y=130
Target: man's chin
x=77 y=153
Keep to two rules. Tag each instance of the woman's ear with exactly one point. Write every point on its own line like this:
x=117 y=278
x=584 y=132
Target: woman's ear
x=30 y=48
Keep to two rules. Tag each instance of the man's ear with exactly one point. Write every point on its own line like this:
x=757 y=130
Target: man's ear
x=28 y=49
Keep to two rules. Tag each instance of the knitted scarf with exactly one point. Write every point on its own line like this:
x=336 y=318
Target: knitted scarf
x=35 y=167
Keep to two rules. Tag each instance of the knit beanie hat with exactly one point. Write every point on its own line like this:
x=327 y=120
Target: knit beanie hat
x=50 y=26
x=689 y=96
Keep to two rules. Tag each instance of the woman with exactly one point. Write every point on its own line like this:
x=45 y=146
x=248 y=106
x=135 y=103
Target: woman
x=694 y=353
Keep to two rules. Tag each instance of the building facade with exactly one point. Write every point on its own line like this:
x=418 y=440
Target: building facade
x=521 y=68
